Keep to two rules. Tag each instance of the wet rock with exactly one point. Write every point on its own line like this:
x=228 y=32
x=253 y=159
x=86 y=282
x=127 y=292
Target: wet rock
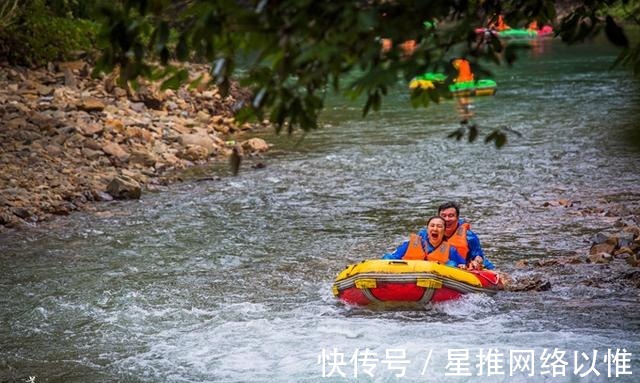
x=547 y=262
x=625 y=239
x=72 y=65
x=623 y=252
x=115 y=150
x=560 y=202
x=22 y=212
x=193 y=153
x=142 y=157
x=600 y=237
x=633 y=260
x=602 y=258
x=54 y=150
x=199 y=140
x=90 y=129
x=91 y=154
x=91 y=104
x=101 y=196
x=69 y=78
x=151 y=98
x=635 y=230
x=63 y=208
x=255 y=145
x=124 y=187
x=607 y=247
x=529 y=284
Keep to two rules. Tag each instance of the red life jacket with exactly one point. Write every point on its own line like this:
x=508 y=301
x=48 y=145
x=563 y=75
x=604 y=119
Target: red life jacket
x=459 y=240
x=415 y=251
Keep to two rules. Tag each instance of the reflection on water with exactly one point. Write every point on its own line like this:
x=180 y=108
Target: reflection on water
x=229 y=280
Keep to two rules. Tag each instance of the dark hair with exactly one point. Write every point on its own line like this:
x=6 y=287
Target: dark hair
x=448 y=205
x=434 y=217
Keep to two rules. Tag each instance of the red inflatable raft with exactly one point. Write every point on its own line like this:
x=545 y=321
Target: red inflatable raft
x=381 y=280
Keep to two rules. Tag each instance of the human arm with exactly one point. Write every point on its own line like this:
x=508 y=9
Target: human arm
x=475 y=251
x=455 y=259
x=398 y=253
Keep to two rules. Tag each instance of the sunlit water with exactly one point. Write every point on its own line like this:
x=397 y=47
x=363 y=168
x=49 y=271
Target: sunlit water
x=230 y=280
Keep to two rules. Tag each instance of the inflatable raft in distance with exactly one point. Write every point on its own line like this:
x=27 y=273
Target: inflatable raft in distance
x=383 y=280
x=485 y=87
x=518 y=33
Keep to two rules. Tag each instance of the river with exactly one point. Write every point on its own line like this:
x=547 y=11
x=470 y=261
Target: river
x=229 y=280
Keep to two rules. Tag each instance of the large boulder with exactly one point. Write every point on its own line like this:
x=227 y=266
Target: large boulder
x=255 y=145
x=124 y=187
x=600 y=258
x=606 y=247
x=193 y=153
x=198 y=139
x=91 y=104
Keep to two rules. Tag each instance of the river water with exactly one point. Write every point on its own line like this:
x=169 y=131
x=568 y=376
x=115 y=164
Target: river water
x=229 y=280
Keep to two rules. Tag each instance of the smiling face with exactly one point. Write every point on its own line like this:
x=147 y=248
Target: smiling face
x=450 y=217
x=435 y=230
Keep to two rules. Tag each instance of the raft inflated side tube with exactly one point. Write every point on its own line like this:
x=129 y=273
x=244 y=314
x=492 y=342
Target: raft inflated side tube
x=483 y=87
x=518 y=34
x=427 y=80
x=380 y=280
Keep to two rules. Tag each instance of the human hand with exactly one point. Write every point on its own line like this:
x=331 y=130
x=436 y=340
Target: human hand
x=476 y=264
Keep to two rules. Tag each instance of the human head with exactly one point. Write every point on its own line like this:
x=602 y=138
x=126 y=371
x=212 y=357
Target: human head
x=449 y=211
x=435 y=229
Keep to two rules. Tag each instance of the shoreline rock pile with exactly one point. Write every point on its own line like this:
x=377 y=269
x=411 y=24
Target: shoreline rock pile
x=613 y=260
x=69 y=139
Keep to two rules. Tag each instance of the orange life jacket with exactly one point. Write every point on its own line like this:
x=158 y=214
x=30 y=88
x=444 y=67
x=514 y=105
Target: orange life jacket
x=464 y=70
x=440 y=254
x=459 y=240
x=415 y=251
x=501 y=24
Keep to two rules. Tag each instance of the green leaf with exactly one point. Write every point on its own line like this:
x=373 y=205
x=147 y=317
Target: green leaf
x=176 y=80
x=457 y=134
x=499 y=138
x=473 y=133
x=182 y=48
x=615 y=33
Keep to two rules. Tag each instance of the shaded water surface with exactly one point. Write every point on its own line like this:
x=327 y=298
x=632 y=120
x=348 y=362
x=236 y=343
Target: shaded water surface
x=230 y=280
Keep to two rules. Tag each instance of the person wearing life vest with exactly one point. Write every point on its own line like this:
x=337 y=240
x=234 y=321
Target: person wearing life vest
x=429 y=245
x=498 y=23
x=459 y=235
x=464 y=70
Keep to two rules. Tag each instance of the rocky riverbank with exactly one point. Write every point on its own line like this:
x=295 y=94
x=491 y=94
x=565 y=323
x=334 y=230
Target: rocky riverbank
x=612 y=261
x=69 y=139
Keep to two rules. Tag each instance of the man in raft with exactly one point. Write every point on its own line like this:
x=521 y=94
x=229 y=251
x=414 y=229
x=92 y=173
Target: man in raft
x=429 y=245
x=459 y=235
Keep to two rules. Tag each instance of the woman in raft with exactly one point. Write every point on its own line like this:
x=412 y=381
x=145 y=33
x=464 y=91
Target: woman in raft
x=429 y=245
